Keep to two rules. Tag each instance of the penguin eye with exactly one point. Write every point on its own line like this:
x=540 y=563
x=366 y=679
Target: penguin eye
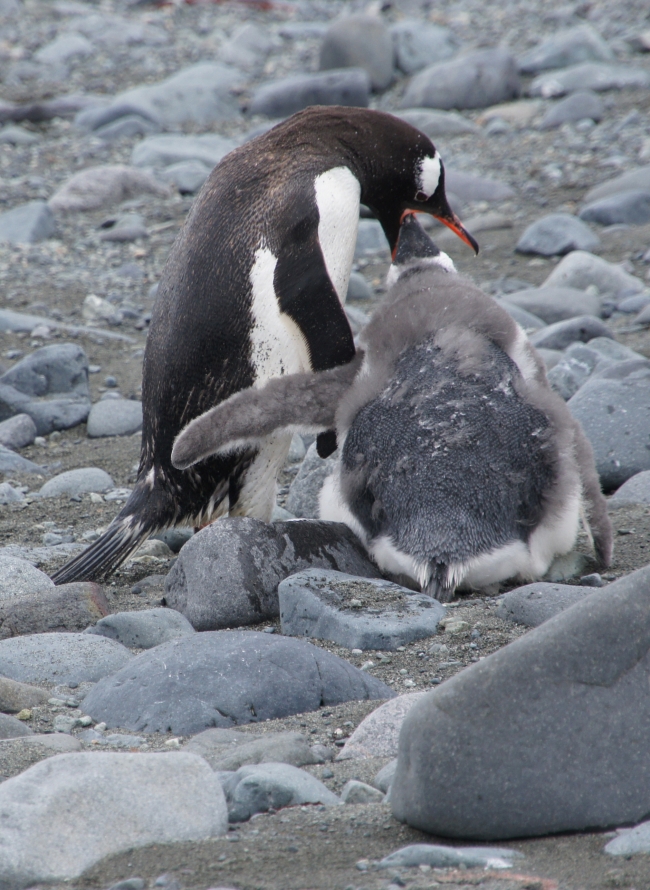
x=420 y=196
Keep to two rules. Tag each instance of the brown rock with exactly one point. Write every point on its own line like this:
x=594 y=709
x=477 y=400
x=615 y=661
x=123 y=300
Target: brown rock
x=68 y=608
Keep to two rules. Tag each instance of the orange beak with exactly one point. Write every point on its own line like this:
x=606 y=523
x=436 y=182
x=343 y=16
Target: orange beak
x=451 y=221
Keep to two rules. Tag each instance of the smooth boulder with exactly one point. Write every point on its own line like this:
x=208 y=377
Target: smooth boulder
x=548 y=734
x=556 y=235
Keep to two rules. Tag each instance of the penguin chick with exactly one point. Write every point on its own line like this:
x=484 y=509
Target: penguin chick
x=253 y=289
x=458 y=463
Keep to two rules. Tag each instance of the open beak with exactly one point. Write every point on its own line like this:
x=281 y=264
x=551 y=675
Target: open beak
x=450 y=219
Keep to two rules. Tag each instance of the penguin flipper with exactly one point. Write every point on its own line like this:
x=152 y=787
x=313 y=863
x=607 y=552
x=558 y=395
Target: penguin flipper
x=294 y=402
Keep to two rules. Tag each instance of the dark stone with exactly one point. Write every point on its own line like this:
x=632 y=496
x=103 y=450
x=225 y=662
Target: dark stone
x=227 y=575
x=68 y=608
x=549 y=734
x=348 y=86
x=61 y=368
x=225 y=679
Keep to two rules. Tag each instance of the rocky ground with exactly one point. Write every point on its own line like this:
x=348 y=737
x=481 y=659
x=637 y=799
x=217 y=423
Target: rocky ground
x=119 y=45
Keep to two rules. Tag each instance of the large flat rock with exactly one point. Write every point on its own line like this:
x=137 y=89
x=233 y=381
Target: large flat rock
x=548 y=734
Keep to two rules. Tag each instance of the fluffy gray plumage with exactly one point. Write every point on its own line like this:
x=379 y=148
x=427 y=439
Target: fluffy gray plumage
x=454 y=449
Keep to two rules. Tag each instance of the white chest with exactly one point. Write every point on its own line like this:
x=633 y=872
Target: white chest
x=337 y=197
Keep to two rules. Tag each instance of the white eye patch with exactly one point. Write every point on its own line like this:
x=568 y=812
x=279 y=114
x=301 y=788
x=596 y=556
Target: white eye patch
x=429 y=174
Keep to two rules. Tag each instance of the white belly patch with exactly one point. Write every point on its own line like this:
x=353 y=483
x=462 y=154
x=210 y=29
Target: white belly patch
x=337 y=196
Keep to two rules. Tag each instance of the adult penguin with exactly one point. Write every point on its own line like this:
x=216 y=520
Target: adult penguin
x=252 y=289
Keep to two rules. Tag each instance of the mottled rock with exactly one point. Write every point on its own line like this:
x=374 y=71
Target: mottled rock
x=144 y=629
x=82 y=808
x=573 y=330
x=162 y=151
x=9 y=494
x=227 y=575
x=552 y=304
x=15 y=697
x=438 y=856
x=64 y=609
x=97 y=187
x=533 y=604
x=227 y=749
x=115 y=417
x=476 y=80
x=555 y=235
x=569 y=47
x=418 y=43
x=545 y=735
x=76 y=482
x=60 y=658
x=18 y=578
x=260 y=787
x=576 y=107
x=598 y=76
x=224 y=678
x=328 y=605
x=305 y=489
x=11 y=728
x=27 y=223
x=355 y=791
x=630 y=841
x=580 y=269
x=348 y=86
x=631 y=207
x=377 y=734
x=359 y=41
x=635 y=491
x=17 y=431
x=10 y=462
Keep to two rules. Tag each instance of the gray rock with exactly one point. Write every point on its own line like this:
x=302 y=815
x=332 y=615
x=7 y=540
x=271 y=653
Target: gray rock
x=9 y=494
x=551 y=304
x=175 y=538
x=580 y=360
x=20 y=578
x=598 y=76
x=304 y=492
x=631 y=207
x=438 y=124
x=349 y=86
x=384 y=778
x=126 y=128
x=570 y=47
x=417 y=44
x=555 y=235
x=574 y=330
x=359 y=41
x=227 y=575
x=577 y=107
x=546 y=735
x=66 y=46
x=14 y=697
x=633 y=304
x=247 y=48
x=97 y=187
x=68 y=608
x=60 y=658
x=10 y=135
x=469 y=188
x=11 y=728
x=76 y=482
x=550 y=357
x=635 y=491
x=357 y=319
x=355 y=791
x=82 y=808
x=533 y=604
x=326 y=605
x=478 y=79
x=187 y=176
x=638 y=179
x=114 y=417
x=612 y=407
x=358 y=289
x=630 y=841
x=580 y=269
x=10 y=462
x=201 y=94
x=127 y=227
x=527 y=320
x=378 y=733
x=143 y=630
x=260 y=787
x=371 y=239
x=48 y=414
x=224 y=678
x=17 y=431
x=27 y=223
x=17 y=755
x=226 y=749
x=162 y=151
x=438 y=856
